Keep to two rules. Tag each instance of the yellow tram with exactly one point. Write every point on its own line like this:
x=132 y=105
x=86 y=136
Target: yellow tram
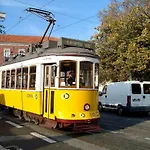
x=57 y=83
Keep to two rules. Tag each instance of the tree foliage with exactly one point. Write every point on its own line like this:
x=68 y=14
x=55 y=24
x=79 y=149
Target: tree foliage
x=123 y=40
x=2 y=29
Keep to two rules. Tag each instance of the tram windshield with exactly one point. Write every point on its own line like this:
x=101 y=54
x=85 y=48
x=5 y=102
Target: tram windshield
x=68 y=73
x=82 y=73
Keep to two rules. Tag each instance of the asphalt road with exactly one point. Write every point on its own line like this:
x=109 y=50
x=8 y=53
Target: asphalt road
x=130 y=132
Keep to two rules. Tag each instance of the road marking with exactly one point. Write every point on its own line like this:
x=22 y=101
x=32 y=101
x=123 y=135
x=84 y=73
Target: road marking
x=15 y=138
x=14 y=124
x=42 y=137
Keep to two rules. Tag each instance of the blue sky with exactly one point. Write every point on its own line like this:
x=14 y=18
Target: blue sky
x=74 y=19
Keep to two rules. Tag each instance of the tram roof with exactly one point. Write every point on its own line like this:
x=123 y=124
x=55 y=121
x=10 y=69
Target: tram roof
x=41 y=52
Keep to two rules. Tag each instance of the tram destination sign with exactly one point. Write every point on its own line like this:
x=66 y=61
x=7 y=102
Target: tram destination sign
x=66 y=42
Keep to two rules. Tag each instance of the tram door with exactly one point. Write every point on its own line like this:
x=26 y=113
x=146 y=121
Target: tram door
x=49 y=83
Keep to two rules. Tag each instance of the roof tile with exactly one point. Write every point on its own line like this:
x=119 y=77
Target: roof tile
x=23 y=38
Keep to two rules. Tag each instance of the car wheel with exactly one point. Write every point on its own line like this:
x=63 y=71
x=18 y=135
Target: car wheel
x=100 y=107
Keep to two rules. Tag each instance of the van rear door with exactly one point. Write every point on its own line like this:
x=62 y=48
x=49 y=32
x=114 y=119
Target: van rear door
x=136 y=95
x=146 y=94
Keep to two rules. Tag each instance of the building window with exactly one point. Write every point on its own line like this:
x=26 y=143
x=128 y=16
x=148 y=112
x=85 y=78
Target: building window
x=21 y=52
x=7 y=52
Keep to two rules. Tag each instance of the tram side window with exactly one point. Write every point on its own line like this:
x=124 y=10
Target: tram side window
x=32 y=78
x=96 y=76
x=53 y=74
x=18 y=82
x=25 y=78
x=68 y=73
x=12 y=79
x=3 y=79
x=47 y=76
x=86 y=74
x=8 y=79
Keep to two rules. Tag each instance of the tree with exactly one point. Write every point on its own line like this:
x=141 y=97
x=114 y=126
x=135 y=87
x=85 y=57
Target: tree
x=2 y=29
x=123 y=40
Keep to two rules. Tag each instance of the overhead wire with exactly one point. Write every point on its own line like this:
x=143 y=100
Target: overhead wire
x=80 y=20
x=26 y=16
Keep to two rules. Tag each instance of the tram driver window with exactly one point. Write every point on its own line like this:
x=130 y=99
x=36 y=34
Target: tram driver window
x=68 y=73
x=32 y=78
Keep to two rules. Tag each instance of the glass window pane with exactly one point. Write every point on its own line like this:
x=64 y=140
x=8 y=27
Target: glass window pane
x=18 y=83
x=3 y=79
x=96 y=81
x=146 y=88
x=25 y=78
x=32 y=77
x=136 y=89
x=68 y=73
x=13 y=79
x=86 y=74
x=7 y=79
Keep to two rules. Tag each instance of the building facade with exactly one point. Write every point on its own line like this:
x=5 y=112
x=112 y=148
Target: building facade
x=17 y=44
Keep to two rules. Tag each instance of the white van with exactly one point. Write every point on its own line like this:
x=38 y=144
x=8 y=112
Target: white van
x=125 y=96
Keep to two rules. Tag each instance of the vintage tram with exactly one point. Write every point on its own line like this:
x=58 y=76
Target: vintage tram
x=38 y=88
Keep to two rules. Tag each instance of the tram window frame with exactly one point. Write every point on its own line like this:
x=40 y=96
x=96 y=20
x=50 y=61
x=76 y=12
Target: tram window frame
x=53 y=75
x=30 y=75
x=25 y=73
x=64 y=74
x=18 y=78
x=3 y=79
x=96 y=76
x=83 y=64
x=46 y=82
x=13 y=75
x=7 y=82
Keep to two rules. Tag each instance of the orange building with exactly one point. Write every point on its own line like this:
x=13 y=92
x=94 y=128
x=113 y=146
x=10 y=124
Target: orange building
x=17 y=44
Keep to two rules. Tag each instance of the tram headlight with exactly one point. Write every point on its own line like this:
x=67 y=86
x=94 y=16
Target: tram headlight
x=86 y=107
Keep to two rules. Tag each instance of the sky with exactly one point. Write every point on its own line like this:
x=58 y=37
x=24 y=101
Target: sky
x=74 y=19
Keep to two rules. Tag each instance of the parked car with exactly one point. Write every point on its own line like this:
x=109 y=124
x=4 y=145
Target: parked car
x=125 y=96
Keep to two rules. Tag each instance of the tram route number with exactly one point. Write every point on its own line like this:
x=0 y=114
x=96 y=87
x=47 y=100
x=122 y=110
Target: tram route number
x=32 y=96
x=94 y=114
x=29 y=96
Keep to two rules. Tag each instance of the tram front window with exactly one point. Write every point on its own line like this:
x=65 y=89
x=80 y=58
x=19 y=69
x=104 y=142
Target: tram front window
x=68 y=73
x=86 y=74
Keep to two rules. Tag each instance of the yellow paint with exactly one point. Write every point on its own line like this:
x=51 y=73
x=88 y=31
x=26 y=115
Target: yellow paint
x=68 y=104
x=47 y=105
x=64 y=108
x=30 y=101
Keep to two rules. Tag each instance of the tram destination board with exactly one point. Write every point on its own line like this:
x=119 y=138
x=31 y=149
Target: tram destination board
x=66 y=42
